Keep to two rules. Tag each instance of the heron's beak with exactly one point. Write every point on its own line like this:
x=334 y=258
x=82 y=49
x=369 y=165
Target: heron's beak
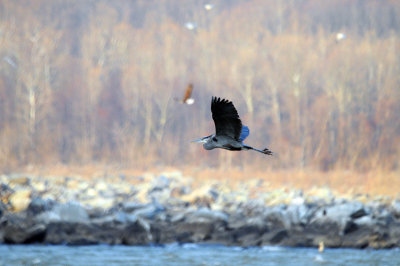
x=202 y=140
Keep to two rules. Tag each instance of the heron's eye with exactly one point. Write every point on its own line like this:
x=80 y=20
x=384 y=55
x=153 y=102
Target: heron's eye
x=215 y=139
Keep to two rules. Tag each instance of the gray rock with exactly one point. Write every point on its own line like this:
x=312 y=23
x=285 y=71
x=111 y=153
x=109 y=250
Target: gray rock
x=200 y=226
x=193 y=231
x=339 y=214
x=298 y=214
x=71 y=212
x=275 y=217
x=160 y=183
x=79 y=234
x=39 y=205
x=56 y=214
x=137 y=233
x=132 y=206
x=382 y=216
x=3 y=208
x=395 y=208
x=5 y=190
x=150 y=211
x=365 y=221
x=18 y=229
x=207 y=215
x=177 y=217
x=344 y=210
x=122 y=217
x=247 y=231
x=359 y=213
x=276 y=237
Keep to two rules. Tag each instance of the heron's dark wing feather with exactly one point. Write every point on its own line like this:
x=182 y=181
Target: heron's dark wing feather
x=188 y=92
x=226 y=118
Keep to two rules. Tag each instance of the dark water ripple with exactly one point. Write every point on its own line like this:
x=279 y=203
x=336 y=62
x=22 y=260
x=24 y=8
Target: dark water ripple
x=190 y=254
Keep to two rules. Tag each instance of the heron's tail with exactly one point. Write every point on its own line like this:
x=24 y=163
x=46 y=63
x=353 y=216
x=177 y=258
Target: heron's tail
x=265 y=151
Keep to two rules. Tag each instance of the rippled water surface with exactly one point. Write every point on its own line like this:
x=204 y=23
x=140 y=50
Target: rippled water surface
x=190 y=254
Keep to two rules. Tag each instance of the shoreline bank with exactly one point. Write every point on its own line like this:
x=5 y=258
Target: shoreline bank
x=166 y=208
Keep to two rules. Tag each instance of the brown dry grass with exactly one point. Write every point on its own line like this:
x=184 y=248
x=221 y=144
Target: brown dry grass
x=341 y=182
x=373 y=183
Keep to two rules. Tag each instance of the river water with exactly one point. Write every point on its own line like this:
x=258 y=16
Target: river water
x=190 y=254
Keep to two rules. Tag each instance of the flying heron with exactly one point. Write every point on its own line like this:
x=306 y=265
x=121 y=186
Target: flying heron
x=187 y=97
x=229 y=132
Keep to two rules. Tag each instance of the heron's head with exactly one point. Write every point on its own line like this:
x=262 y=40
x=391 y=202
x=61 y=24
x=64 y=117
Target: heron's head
x=202 y=140
x=208 y=142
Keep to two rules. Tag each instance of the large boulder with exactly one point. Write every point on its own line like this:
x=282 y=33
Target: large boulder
x=149 y=211
x=19 y=229
x=299 y=214
x=199 y=225
x=395 y=208
x=20 y=199
x=39 y=205
x=137 y=233
x=340 y=214
x=73 y=233
x=71 y=212
x=345 y=210
x=132 y=206
x=275 y=217
x=115 y=228
x=247 y=231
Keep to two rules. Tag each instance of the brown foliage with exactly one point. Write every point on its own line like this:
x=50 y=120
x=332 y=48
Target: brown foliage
x=92 y=81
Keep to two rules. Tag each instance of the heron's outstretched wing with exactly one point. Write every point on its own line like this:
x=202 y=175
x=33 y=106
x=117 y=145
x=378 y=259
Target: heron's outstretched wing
x=226 y=118
x=188 y=92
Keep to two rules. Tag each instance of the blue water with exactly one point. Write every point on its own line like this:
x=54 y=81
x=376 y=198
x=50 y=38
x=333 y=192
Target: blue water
x=190 y=254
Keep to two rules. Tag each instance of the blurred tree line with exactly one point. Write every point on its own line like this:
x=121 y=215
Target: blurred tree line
x=93 y=81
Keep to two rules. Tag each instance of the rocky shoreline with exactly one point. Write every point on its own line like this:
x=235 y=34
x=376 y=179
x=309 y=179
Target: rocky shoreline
x=167 y=208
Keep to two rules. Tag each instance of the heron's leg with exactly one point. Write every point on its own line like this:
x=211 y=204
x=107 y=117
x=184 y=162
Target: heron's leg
x=264 y=151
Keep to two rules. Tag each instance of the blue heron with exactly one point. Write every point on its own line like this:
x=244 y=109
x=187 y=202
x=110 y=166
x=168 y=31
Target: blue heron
x=229 y=132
